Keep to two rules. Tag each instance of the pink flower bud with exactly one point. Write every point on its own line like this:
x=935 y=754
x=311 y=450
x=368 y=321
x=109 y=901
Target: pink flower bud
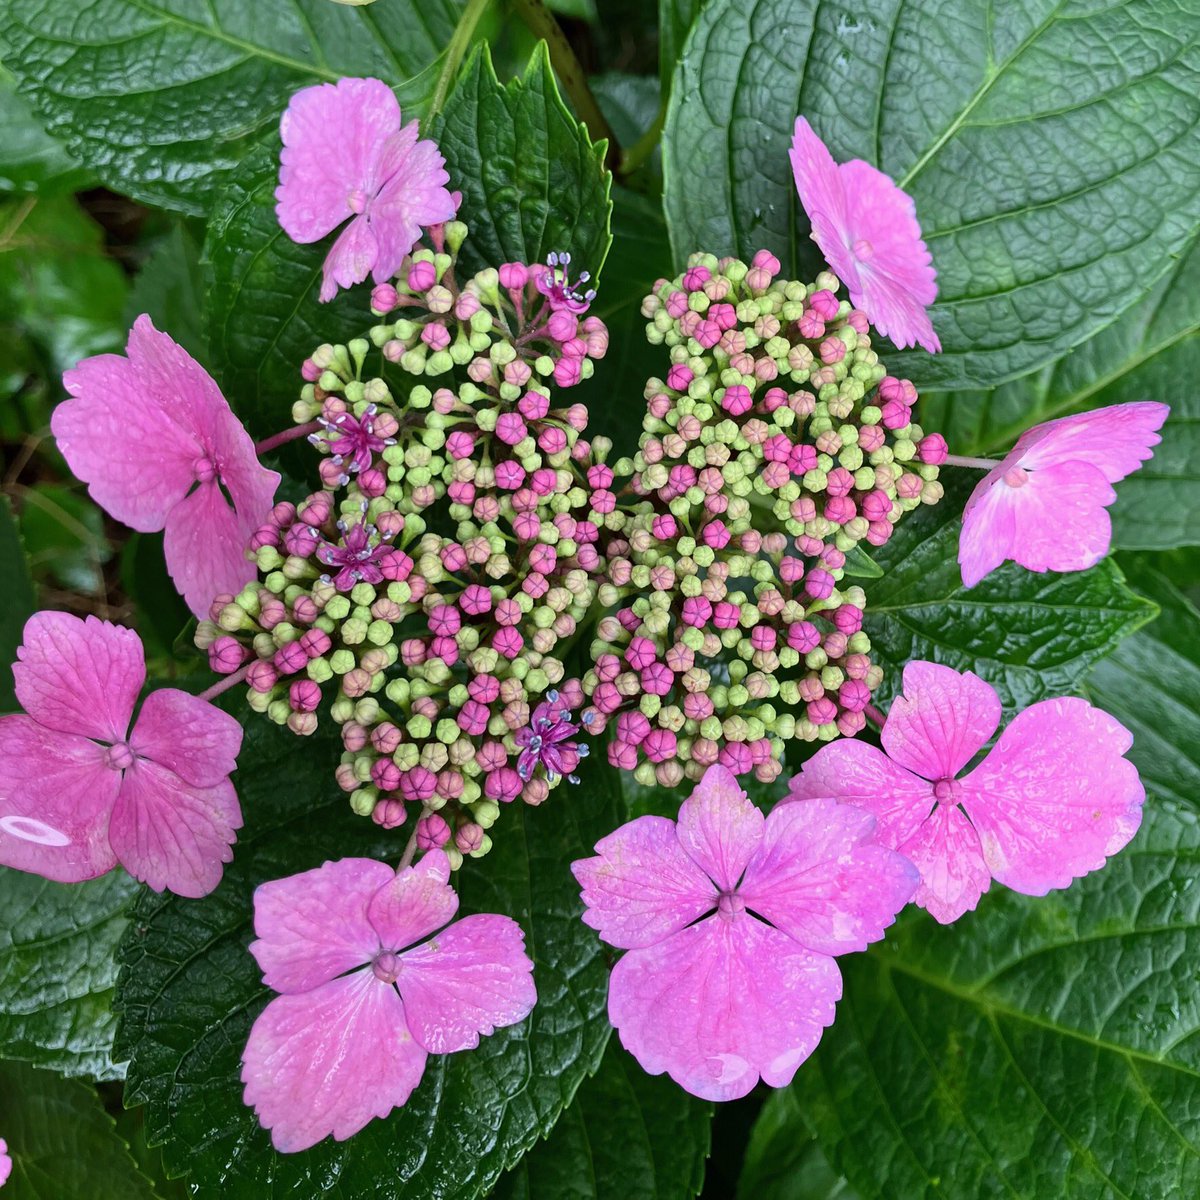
x=660 y=744
x=421 y=276
x=504 y=785
x=819 y=584
x=226 y=655
x=803 y=636
x=932 y=449
x=261 y=676
x=432 y=832
x=290 y=658
x=384 y=298
x=469 y=837
x=385 y=774
x=738 y=757
x=513 y=275
x=389 y=813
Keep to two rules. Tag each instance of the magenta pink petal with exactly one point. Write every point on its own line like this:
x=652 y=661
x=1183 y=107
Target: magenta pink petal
x=719 y=827
x=350 y=258
x=413 y=197
x=79 y=676
x=641 y=886
x=823 y=197
x=56 y=794
x=1115 y=440
x=946 y=850
x=205 y=550
x=170 y=834
x=1055 y=797
x=5 y=1162
x=413 y=903
x=943 y=719
x=472 y=978
x=313 y=926
x=722 y=1003
x=190 y=737
x=330 y=1060
x=989 y=531
x=820 y=878
x=250 y=485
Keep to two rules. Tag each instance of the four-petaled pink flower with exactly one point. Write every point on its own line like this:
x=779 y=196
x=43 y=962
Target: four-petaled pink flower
x=357 y=557
x=554 y=283
x=352 y=442
x=1044 y=505
x=549 y=741
x=156 y=443
x=730 y=920
x=346 y=156
x=80 y=791
x=1051 y=801
x=367 y=993
x=867 y=229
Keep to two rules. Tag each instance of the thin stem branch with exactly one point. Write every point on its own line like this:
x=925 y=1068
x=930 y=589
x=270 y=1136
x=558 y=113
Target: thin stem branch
x=464 y=31
x=873 y=714
x=223 y=685
x=640 y=151
x=409 y=850
x=960 y=460
x=288 y=435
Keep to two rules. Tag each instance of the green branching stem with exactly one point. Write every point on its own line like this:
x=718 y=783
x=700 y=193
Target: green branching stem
x=640 y=151
x=464 y=32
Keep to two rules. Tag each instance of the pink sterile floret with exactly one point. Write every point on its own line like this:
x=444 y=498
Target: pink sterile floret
x=1051 y=801
x=866 y=227
x=366 y=994
x=345 y=155
x=80 y=791
x=156 y=443
x=1044 y=506
x=730 y=921
x=5 y=1162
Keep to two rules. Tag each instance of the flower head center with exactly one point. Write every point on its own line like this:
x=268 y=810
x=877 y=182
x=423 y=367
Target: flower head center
x=945 y=791
x=357 y=200
x=730 y=905
x=119 y=757
x=204 y=469
x=386 y=967
x=1016 y=477
x=862 y=249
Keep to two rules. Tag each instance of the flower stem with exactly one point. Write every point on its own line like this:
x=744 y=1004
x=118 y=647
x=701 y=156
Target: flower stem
x=464 y=31
x=409 y=851
x=288 y=435
x=223 y=685
x=982 y=464
x=873 y=714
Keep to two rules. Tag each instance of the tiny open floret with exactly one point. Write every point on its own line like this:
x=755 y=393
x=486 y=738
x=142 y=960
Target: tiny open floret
x=1045 y=505
x=730 y=921
x=372 y=979
x=1053 y=799
x=80 y=791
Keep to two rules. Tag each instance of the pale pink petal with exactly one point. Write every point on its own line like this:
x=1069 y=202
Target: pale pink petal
x=946 y=850
x=56 y=794
x=472 y=978
x=79 y=676
x=989 y=529
x=719 y=827
x=190 y=737
x=1055 y=797
x=641 y=886
x=350 y=258
x=330 y=1060
x=205 y=549
x=250 y=485
x=5 y=1162
x=413 y=902
x=823 y=197
x=857 y=773
x=721 y=1003
x=942 y=720
x=313 y=926
x=334 y=138
x=170 y=834
x=1115 y=440
x=821 y=878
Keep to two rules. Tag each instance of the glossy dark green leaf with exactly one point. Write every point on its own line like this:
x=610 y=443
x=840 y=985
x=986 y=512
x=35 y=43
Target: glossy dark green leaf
x=63 y=1144
x=19 y=600
x=626 y=1136
x=1038 y=1048
x=1030 y=636
x=31 y=160
x=189 y=992
x=169 y=288
x=1051 y=148
x=57 y=970
x=783 y=1161
x=165 y=98
x=65 y=538
x=675 y=20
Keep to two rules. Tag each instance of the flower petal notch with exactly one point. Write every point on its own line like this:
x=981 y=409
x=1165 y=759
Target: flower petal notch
x=371 y=981
x=159 y=448
x=347 y=157
x=730 y=921
x=866 y=227
x=81 y=791
x=1053 y=800
x=1045 y=504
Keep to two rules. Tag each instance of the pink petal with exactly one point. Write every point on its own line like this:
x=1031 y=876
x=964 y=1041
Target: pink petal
x=943 y=719
x=721 y=1003
x=330 y=1060
x=1115 y=440
x=413 y=902
x=79 y=676
x=946 y=851
x=250 y=485
x=823 y=196
x=472 y=978
x=820 y=878
x=55 y=798
x=350 y=258
x=989 y=530
x=1055 y=797
x=5 y=1162
x=313 y=926
x=170 y=834
x=642 y=886
x=719 y=827
x=334 y=138
x=190 y=737
x=205 y=549
x=856 y=773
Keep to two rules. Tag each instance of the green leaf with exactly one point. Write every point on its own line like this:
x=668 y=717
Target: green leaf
x=63 y=1144
x=189 y=992
x=64 y=536
x=170 y=289
x=531 y=179
x=1029 y=635
x=626 y=1136
x=675 y=20
x=783 y=1162
x=1040 y=1047
x=19 y=600
x=1151 y=684
x=1051 y=149
x=165 y=98
x=1152 y=353
x=31 y=160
